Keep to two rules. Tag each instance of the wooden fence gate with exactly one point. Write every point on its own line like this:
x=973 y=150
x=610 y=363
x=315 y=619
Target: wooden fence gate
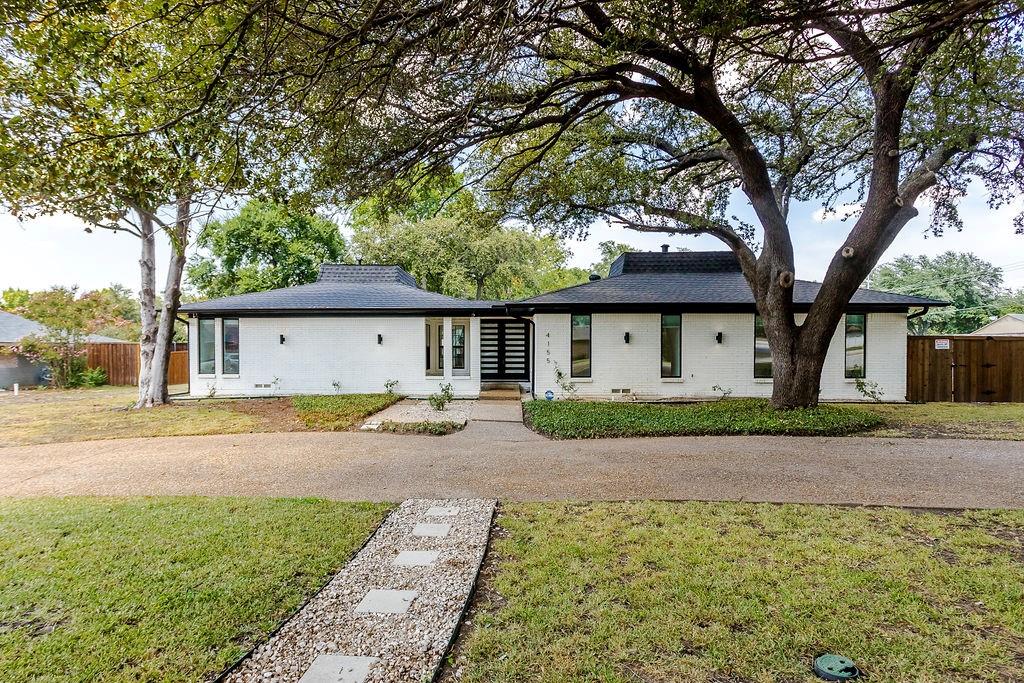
x=965 y=369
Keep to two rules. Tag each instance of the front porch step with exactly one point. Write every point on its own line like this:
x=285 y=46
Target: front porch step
x=500 y=391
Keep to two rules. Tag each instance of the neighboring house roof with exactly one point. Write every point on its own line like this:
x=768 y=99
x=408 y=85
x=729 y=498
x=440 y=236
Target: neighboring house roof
x=342 y=288
x=14 y=328
x=693 y=281
x=1009 y=324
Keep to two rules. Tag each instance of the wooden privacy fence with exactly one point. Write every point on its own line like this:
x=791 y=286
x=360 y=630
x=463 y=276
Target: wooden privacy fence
x=121 y=361
x=965 y=368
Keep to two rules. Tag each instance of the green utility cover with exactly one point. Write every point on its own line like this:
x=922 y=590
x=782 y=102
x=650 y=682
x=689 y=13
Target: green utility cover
x=835 y=668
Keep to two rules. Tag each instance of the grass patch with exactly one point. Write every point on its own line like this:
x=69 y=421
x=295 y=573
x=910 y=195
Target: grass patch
x=431 y=428
x=85 y=415
x=169 y=589
x=1003 y=421
x=627 y=592
x=596 y=419
x=341 y=412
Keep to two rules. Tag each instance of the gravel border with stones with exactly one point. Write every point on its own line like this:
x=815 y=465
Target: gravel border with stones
x=409 y=646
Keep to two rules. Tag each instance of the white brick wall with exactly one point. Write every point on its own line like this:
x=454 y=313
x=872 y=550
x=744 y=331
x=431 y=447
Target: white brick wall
x=320 y=350
x=636 y=366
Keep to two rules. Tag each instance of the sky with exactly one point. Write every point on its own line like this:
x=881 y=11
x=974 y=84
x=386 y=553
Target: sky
x=55 y=250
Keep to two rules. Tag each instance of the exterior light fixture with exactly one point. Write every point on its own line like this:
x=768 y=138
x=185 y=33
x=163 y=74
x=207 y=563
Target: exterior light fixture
x=380 y=338
x=719 y=337
x=625 y=337
x=282 y=339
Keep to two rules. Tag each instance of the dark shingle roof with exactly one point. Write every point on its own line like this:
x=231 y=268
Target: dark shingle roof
x=343 y=288
x=675 y=262
x=697 y=279
x=14 y=328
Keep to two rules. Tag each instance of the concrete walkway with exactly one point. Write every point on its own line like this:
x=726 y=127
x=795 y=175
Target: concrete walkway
x=505 y=460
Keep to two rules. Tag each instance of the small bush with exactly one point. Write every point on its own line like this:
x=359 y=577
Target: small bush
x=590 y=420
x=439 y=402
x=92 y=377
x=338 y=413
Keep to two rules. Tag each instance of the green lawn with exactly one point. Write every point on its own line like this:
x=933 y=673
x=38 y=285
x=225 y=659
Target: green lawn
x=168 y=589
x=338 y=413
x=596 y=419
x=635 y=592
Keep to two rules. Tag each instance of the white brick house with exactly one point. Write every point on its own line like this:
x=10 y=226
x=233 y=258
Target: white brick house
x=661 y=325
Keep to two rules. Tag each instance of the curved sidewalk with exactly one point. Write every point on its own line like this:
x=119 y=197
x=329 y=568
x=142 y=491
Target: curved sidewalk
x=505 y=460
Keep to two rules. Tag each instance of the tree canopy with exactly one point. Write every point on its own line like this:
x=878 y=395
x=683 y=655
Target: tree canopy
x=972 y=286
x=264 y=246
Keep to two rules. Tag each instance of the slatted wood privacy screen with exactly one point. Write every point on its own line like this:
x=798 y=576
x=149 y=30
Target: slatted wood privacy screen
x=965 y=369
x=121 y=361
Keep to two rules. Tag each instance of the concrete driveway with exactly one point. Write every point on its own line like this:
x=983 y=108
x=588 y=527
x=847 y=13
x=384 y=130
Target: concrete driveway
x=499 y=458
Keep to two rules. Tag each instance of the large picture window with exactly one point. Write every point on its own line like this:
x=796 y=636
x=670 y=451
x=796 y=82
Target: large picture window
x=762 y=352
x=207 y=346
x=671 y=345
x=856 y=345
x=580 y=345
x=229 y=346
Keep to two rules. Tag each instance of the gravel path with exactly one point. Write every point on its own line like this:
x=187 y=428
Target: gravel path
x=391 y=612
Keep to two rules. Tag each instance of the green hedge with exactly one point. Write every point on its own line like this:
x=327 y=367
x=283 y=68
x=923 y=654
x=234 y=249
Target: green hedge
x=592 y=419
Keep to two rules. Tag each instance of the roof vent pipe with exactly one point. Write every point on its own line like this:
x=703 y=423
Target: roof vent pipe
x=664 y=249
x=594 y=277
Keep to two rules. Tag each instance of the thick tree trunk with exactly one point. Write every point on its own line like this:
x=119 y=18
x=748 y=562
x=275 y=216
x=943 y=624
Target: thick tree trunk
x=158 y=393
x=147 y=304
x=797 y=377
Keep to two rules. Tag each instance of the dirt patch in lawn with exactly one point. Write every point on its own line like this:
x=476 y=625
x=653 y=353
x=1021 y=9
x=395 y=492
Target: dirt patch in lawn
x=274 y=414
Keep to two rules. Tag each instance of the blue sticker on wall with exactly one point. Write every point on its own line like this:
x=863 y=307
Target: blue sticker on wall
x=549 y=395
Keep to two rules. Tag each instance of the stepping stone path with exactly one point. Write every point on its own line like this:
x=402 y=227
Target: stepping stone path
x=391 y=612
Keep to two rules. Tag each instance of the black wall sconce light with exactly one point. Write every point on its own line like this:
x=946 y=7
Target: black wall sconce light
x=719 y=337
x=380 y=338
x=282 y=339
x=625 y=337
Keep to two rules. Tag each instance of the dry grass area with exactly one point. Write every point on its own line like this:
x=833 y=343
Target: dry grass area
x=47 y=416
x=1003 y=421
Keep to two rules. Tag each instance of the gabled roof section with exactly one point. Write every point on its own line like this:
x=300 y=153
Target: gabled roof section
x=345 y=272
x=343 y=289
x=675 y=262
x=694 y=281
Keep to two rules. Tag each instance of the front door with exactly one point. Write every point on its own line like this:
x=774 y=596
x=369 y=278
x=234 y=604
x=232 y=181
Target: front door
x=504 y=350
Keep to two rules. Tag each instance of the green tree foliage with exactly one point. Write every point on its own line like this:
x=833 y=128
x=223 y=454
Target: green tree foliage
x=452 y=245
x=609 y=250
x=13 y=298
x=265 y=246
x=973 y=287
x=68 y=320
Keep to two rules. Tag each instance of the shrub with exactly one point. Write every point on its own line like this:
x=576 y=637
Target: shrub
x=440 y=401
x=92 y=377
x=589 y=420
